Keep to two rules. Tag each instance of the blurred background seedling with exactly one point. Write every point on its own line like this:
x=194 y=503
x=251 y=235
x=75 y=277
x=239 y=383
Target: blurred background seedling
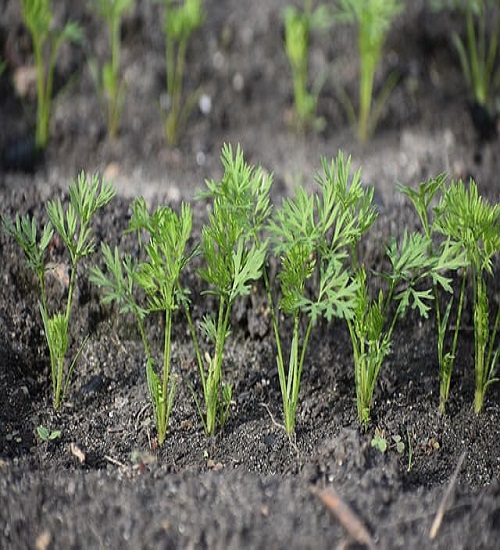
x=373 y=19
x=299 y=23
x=111 y=87
x=39 y=19
x=478 y=54
x=181 y=19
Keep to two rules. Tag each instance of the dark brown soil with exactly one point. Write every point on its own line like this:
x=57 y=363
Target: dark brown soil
x=247 y=487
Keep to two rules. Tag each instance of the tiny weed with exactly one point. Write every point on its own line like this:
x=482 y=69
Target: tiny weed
x=48 y=435
x=382 y=443
x=379 y=441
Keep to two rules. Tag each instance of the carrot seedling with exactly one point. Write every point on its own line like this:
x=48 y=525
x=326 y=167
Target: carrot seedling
x=181 y=20
x=452 y=256
x=473 y=224
x=375 y=319
x=298 y=27
x=73 y=225
x=38 y=17
x=233 y=256
x=159 y=279
x=478 y=51
x=373 y=19
x=372 y=321
x=311 y=235
x=112 y=12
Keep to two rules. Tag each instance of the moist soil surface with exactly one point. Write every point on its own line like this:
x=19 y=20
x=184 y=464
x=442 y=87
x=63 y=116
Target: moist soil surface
x=105 y=483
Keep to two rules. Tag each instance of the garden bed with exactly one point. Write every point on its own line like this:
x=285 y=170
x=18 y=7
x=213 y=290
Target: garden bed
x=104 y=482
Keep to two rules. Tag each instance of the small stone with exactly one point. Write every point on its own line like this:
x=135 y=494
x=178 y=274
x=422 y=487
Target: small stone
x=205 y=104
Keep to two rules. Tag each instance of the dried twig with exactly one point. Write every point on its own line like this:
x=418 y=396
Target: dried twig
x=116 y=462
x=436 y=524
x=350 y=521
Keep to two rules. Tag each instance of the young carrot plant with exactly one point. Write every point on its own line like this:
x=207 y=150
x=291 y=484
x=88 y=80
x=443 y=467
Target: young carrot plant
x=181 y=20
x=38 y=17
x=112 y=12
x=453 y=257
x=233 y=257
x=159 y=278
x=373 y=18
x=298 y=26
x=375 y=319
x=478 y=52
x=474 y=224
x=73 y=226
x=311 y=234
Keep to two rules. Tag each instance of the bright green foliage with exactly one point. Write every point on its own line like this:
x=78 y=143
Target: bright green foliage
x=373 y=19
x=159 y=278
x=298 y=26
x=38 y=17
x=371 y=328
x=370 y=343
x=453 y=258
x=233 y=257
x=181 y=20
x=112 y=12
x=45 y=435
x=474 y=224
x=73 y=225
x=312 y=235
x=478 y=52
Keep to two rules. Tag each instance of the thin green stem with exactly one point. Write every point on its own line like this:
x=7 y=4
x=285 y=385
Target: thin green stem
x=492 y=343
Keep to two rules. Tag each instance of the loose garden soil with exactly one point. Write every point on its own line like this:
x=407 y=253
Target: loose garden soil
x=104 y=483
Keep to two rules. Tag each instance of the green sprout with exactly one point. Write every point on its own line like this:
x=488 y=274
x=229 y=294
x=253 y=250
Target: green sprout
x=478 y=52
x=310 y=233
x=473 y=224
x=454 y=259
x=298 y=26
x=233 y=257
x=112 y=12
x=181 y=20
x=382 y=444
x=47 y=435
x=159 y=279
x=373 y=18
x=73 y=226
x=38 y=17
